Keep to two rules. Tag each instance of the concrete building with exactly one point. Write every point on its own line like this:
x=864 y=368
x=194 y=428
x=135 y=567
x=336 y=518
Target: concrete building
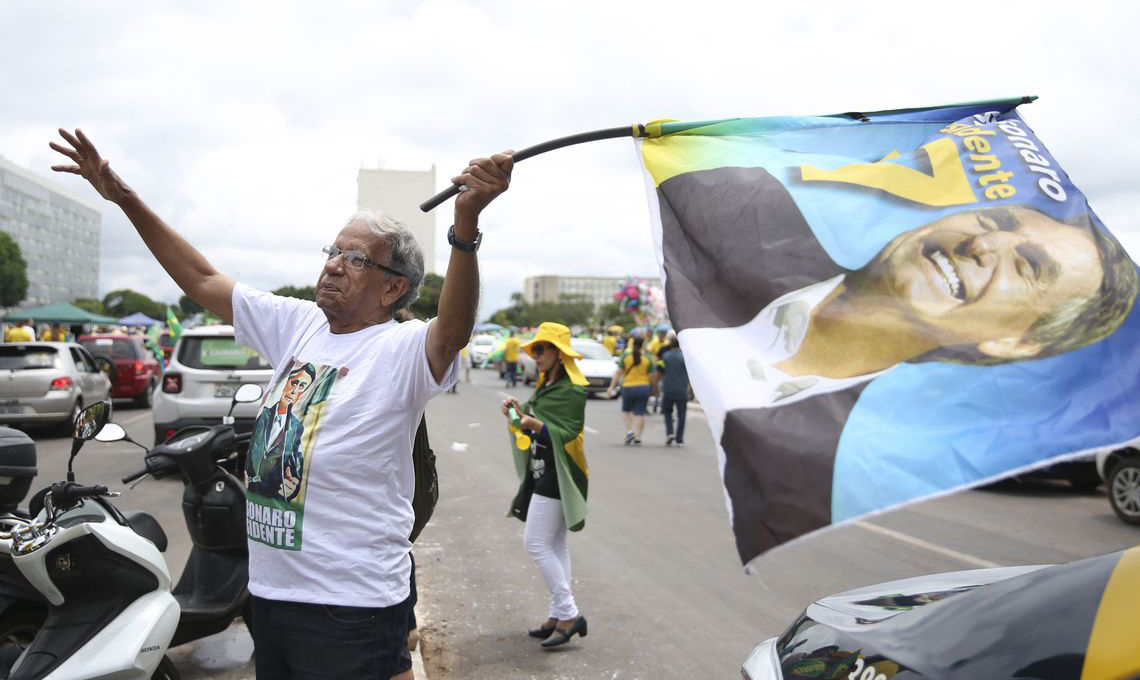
x=58 y=234
x=599 y=290
x=398 y=193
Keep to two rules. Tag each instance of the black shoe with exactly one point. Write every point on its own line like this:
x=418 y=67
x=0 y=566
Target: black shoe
x=561 y=637
x=542 y=632
x=637 y=441
x=669 y=440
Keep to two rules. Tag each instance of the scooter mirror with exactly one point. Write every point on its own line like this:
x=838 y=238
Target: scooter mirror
x=91 y=420
x=111 y=432
x=248 y=393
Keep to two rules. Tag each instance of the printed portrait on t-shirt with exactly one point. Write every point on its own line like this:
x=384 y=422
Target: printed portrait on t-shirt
x=280 y=447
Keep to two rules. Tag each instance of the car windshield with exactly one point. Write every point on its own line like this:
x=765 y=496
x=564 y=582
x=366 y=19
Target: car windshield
x=112 y=348
x=220 y=353
x=22 y=357
x=591 y=350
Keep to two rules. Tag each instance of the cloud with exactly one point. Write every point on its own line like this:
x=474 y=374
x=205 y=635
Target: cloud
x=243 y=124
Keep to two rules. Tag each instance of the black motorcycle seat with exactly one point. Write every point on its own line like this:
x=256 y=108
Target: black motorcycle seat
x=147 y=527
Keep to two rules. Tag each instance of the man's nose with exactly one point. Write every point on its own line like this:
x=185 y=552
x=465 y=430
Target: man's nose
x=988 y=247
x=335 y=265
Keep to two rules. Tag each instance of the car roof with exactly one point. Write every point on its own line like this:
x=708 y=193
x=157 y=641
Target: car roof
x=209 y=331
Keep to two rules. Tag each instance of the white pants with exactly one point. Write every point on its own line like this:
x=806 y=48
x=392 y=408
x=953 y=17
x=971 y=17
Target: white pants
x=545 y=540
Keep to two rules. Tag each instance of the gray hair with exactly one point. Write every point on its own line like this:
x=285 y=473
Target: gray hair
x=405 y=254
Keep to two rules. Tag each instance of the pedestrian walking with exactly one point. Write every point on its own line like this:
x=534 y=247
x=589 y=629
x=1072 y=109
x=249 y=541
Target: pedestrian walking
x=634 y=370
x=330 y=476
x=511 y=358
x=674 y=382
x=552 y=473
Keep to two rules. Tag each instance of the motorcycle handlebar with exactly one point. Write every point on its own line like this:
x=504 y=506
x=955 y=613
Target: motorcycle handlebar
x=135 y=475
x=68 y=494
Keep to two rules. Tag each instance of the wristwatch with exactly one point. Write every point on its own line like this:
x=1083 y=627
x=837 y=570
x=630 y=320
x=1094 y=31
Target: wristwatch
x=464 y=245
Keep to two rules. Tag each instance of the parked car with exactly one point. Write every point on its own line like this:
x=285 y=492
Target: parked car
x=596 y=364
x=205 y=370
x=1081 y=473
x=49 y=382
x=1121 y=472
x=136 y=373
x=1009 y=622
x=481 y=346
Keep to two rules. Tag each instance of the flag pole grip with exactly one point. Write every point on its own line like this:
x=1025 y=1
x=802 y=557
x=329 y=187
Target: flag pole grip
x=635 y=130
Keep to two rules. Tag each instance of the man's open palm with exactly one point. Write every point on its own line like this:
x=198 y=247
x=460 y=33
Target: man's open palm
x=90 y=166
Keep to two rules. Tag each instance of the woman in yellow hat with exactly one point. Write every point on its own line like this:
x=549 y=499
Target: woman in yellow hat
x=546 y=438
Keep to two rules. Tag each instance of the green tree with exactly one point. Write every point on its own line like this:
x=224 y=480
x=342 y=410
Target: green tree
x=93 y=305
x=124 y=302
x=303 y=292
x=188 y=306
x=427 y=305
x=570 y=310
x=13 y=272
x=610 y=314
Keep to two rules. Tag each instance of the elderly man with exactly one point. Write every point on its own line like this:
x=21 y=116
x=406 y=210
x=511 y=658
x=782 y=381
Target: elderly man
x=329 y=569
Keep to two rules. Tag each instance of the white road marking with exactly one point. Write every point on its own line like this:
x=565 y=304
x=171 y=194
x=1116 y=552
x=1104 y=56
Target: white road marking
x=474 y=424
x=932 y=547
x=590 y=430
x=458 y=446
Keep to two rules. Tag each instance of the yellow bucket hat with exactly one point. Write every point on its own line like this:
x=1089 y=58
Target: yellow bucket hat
x=558 y=335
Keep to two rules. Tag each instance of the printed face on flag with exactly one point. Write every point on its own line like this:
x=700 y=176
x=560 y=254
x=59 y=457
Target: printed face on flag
x=878 y=308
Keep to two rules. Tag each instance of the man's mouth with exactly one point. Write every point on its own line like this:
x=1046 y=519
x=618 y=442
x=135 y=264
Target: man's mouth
x=945 y=272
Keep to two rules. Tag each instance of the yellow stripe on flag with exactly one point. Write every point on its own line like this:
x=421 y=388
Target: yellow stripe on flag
x=575 y=449
x=1113 y=650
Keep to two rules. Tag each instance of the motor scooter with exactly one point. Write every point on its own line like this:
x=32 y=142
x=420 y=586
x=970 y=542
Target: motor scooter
x=213 y=588
x=110 y=612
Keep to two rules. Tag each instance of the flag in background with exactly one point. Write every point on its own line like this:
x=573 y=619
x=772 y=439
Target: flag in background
x=174 y=325
x=877 y=308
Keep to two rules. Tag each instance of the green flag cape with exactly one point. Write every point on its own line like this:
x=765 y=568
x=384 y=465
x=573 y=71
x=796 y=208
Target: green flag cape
x=562 y=407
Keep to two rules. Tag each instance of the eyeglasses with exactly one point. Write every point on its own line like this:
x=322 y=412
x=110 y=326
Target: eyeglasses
x=539 y=349
x=356 y=259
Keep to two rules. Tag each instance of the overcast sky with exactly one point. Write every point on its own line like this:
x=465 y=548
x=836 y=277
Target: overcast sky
x=244 y=123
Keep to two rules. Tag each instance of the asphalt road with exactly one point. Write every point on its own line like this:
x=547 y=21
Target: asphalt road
x=655 y=570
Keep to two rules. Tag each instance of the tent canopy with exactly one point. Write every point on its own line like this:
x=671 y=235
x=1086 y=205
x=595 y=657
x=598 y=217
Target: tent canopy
x=138 y=319
x=60 y=312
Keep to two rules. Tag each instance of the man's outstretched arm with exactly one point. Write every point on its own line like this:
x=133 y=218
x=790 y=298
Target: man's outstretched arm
x=189 y=269
x=485 y=178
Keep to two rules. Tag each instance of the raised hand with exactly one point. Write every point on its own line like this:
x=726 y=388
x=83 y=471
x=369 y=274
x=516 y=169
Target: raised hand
x=90 y=166
x=482 y=180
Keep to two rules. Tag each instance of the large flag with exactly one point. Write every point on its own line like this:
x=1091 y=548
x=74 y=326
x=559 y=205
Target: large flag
x=877 y=308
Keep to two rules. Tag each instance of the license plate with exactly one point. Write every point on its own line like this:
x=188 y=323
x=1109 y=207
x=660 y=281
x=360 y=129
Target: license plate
x=226 y=390
x=8 y=410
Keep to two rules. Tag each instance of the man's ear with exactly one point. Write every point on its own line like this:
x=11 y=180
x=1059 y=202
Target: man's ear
x=397 y=286
x=1010 y=348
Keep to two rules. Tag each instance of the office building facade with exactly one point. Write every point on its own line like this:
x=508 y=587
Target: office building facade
x=398 y=193
x=58 y=234
x=598 y=290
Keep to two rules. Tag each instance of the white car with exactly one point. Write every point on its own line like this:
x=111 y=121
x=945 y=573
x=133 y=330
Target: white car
x=205 y=370
x=480 y=347
x=596 y=364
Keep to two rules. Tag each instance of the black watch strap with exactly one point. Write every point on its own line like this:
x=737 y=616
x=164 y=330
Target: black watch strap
x=464 y=245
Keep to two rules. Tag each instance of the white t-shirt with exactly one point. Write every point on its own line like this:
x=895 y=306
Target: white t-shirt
x=329 y=489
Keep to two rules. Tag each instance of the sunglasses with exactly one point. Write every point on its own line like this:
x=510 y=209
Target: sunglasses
x=539 y=349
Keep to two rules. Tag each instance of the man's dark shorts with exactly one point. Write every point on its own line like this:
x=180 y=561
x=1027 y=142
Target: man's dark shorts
x=303 y=641
x=635 y=399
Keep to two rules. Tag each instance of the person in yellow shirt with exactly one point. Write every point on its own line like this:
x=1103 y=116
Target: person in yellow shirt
x=610 y=343
x=635 y=367
x=511 y=358
x=17 y=333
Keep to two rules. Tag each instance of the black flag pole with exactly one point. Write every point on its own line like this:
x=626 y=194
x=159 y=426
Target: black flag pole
x=635 y=130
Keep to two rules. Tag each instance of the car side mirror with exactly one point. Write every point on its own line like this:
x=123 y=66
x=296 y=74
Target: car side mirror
x=106 y=366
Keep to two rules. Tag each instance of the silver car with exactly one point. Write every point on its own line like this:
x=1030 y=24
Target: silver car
x=49 y=382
